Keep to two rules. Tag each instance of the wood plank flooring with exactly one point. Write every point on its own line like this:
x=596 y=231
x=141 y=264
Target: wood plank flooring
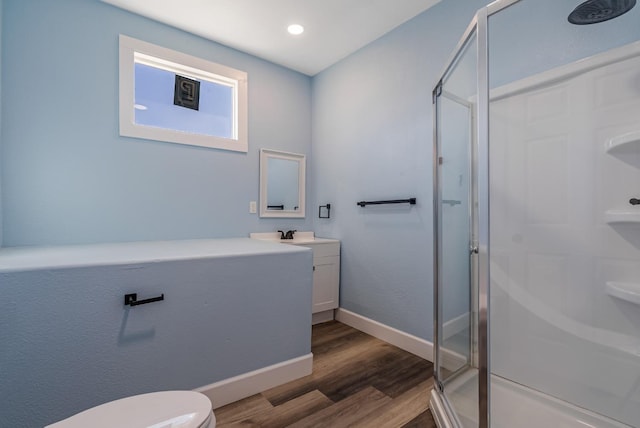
x=357 y=381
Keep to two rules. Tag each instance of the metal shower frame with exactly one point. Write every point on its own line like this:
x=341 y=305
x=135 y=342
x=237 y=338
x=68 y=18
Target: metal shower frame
x=478 y=27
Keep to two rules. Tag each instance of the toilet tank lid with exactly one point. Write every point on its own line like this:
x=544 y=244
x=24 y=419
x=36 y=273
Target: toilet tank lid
x=165 y=409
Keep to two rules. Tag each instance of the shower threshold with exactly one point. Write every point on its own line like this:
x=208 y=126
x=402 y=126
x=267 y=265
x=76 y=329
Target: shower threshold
x=512 y=405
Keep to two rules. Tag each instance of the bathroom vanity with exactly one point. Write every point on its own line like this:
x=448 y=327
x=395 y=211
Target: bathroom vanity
x=326 y=270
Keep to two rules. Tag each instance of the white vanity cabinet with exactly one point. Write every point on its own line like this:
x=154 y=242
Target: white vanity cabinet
x=326 y=273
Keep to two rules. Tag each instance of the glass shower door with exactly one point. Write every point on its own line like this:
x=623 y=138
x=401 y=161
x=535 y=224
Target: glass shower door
x=456 y=331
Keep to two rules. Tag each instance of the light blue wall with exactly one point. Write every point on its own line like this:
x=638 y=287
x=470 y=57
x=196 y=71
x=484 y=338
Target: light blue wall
x=68 y=177
x=372 y=139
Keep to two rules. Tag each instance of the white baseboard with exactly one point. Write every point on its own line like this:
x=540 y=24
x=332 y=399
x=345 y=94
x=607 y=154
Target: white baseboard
x=410 y=343
x=422 y=348
x=245 y=385
x=456 y=325
x=320 y=317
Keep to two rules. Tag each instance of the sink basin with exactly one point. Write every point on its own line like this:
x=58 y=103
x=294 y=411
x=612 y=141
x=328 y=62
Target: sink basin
x=298 y=241
x=298 y=237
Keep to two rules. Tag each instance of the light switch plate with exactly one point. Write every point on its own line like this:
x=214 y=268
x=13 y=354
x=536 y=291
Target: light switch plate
x=252 y=207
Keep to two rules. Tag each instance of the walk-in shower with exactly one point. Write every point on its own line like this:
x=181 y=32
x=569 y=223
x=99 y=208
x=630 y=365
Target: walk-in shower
x=537 y=167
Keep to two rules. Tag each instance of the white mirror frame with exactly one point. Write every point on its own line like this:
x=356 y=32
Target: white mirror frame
x=265 y=155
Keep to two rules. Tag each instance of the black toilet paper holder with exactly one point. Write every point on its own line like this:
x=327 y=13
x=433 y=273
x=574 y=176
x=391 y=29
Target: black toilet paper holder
x=132 y=299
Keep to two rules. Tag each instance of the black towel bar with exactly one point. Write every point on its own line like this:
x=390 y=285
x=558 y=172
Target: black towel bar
x=411 y=201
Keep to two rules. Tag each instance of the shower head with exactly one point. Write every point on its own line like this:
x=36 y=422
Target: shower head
x=594 y=11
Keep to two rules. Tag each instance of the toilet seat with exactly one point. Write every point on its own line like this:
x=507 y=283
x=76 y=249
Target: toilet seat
x=166 y=409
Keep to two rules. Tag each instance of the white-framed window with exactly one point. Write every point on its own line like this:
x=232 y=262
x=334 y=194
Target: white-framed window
x=166 y=95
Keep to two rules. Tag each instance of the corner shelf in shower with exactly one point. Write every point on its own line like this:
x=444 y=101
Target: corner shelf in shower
x=622 y=217
x=625 y=143
x=624 y=290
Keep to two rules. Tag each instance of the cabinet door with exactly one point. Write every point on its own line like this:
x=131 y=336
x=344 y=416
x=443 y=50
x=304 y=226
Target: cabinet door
x=326 y=280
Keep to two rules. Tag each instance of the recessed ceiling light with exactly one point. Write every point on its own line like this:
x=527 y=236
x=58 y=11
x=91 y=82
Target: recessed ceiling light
x=295 y=29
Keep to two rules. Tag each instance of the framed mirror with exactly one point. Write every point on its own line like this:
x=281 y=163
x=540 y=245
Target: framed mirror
x=282 y=184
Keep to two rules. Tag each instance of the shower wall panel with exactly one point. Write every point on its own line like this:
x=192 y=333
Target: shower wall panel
x=554 y=326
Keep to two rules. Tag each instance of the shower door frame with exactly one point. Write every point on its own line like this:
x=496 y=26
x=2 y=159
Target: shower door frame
x=443 y=411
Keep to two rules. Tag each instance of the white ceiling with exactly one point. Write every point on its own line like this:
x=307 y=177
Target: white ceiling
x=333 y=28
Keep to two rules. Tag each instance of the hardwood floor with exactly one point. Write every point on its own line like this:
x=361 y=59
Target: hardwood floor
x=357 y=381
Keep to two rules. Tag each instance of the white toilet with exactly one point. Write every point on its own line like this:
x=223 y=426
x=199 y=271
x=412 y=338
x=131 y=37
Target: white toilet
x=166 y=409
